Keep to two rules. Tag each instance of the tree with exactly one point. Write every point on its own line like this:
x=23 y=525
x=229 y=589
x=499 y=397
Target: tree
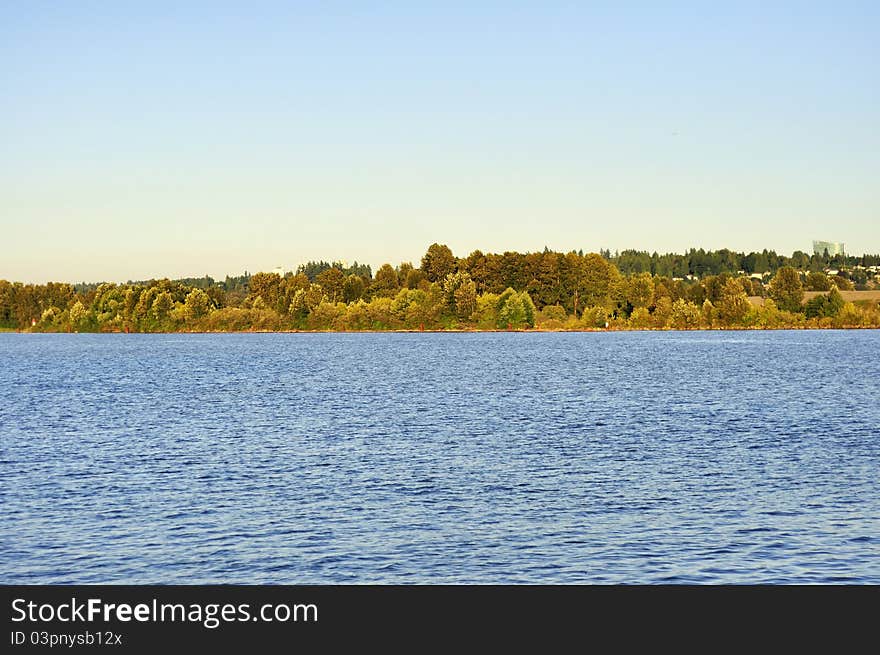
x=512 y=314
x=553 y=313
x=416 y=308
x=196 y=305
x=515 y=310
x=7 y=299
x=715 y=286
x=353 y=288
x=634 y=291
x=708 y=313
x=818 y=281
x=305 y=300
x=460 y=294
x=332 y=280
x=385 y=284
x=842 y=283
x=78 y=315
x=640 y=318
x=685 y=315
x=414 y=278
x=438 y=262
x=529 y=308
x=640 y=290
x=596 y=281
x=828 y=305
x=595 y=317
x=403 y=271
x=130 y=303
x=662 y=311
x=786 y=289
x=266 y=286
x=162 y=305
x=734 y=305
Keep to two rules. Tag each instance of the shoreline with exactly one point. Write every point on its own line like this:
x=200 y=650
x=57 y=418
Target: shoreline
x=470 y=331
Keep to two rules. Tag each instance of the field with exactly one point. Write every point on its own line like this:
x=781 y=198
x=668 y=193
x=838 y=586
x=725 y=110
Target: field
x=848 y=296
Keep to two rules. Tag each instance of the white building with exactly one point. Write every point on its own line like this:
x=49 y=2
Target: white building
x=833 y=248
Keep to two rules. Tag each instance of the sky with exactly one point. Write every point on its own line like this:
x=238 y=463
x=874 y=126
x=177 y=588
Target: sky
x=154 y=139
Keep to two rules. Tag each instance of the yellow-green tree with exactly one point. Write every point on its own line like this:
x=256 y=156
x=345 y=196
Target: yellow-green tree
x=385 y=283
x=734 y=305
x=786 y=289
x=438 y=262
x=196 y=305
x=353 y=288
x=332 y=281
x=685 y=315
x=460 y=294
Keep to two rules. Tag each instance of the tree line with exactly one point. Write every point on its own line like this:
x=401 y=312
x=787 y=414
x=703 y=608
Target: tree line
x=699 y=262
x=489 y=291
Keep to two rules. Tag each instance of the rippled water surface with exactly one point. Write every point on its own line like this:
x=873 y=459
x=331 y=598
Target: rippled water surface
x=291 y=458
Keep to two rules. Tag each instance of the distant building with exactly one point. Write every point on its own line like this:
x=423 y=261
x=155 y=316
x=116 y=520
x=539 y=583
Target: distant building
x=819 y=248
x=278 y=271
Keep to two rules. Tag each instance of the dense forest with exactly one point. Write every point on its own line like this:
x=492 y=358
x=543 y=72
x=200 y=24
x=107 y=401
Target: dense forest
x=546 y=290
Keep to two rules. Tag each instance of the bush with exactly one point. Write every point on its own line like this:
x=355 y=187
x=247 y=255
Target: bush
x=640 y=318
x=826 y=306
x=595 y=317
x=552 y=313
x=685 y=315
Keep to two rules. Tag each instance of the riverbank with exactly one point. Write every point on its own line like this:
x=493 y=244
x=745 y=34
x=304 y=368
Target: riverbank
x=535 y=330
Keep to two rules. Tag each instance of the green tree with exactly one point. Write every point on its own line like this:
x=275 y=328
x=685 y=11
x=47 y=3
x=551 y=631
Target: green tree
x=828 y=305
x=515 y=311
x=595 y=317
x=7 y=291
x=685 y=315
x=305 y=300
x=734 y=305
x=786 y=289
x=460 y=294
x=438 y=262
x=353 y=288
x=708 y=312
x=332 y=281
x=266 y=286
x=640 y=318
x=512 y=315
x=465 y=300
x=79 y=316
x=842 y=283
x=385 y=284
x=415 y=308
x=662 y=311
x=403 y=271
x=162 y=305
x=553 y=313
x=818 y=281
x=597 y=280
x=196 y=305
x=528 y=307
x=414 y=278
x=639 y=290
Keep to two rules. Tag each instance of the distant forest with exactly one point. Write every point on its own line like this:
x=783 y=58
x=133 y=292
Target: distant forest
x=546 y=290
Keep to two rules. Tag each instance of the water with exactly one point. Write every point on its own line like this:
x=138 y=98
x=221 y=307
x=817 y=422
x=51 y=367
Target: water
x=707 y=457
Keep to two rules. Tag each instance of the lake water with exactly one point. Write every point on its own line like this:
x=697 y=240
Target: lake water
x=705 y=457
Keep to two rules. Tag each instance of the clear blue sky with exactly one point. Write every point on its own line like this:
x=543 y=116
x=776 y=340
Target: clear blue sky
x=151 y=139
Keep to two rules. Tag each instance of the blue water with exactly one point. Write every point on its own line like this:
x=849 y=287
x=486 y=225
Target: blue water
x=706 y=457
